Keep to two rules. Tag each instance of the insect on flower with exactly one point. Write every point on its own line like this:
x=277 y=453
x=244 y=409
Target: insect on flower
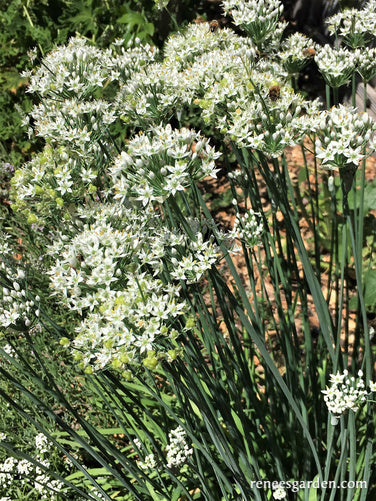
x=274 y=92
x=309 y=52
x=214 y=26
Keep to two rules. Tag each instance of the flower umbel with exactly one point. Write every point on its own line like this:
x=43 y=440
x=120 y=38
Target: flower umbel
x=345 y=393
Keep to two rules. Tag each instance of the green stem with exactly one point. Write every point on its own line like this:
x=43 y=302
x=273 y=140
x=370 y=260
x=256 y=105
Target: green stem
x=335 y=96
x=342 y=459
x=352 y=459
x=327 y=95
x=340 y=300
x=353 y=91
x=367 y=361
x=329 y=454
x=27 y=15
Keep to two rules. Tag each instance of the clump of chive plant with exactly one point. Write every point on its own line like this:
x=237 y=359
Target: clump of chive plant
x=142 y=288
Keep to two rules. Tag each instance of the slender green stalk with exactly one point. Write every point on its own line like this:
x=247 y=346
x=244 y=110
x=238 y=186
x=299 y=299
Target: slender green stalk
x=329 y=455
x=353 y=90
x=342 y=464
x=327 y=95
x=335 y=96
x=339 y=362
x=367 y=360
x=352 y=457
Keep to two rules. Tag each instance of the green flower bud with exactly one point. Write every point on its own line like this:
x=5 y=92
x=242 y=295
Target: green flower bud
x=173 y=354
x=151 y=361
x=108 y=343
x=127 y=375
x=116 y=364
x=124 y=358
x=32 y=218
x=191 y=322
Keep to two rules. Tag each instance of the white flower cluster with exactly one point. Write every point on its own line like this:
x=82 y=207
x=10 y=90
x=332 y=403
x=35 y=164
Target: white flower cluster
x=149 y=96
x=6 y=468
x=161 y=4
x=74 y=118
x=42 y=444
x=196 y=40
x=200 y=256
x=149 y=462
x=366 y=62
x=335 y=64
x=15 y=308
x=342 y=136
x=297 y=49
x=108 y=274
x=9 y=350
x=196 y=60
x=279 y=493
x=78 y=68
x=345 y=393
x=220 y=78
x=356 y=27
x=48 y=187
x=5 y=247
x=177 y=451
x=271 y=118
x=16 y=475
x=259 y=18
x=247 y=228
x=76 y=73
x=159 y=165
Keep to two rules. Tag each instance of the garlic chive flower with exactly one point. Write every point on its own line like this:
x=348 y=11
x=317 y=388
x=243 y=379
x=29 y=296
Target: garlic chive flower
x=279 y=493
x=194 y=62
x=107 y=275
x=269 y=122
x=345 y=393
x=355 y=27
x=161 y=164
x=78 y=68
x=149 y=462
x=161 y=4
x=16 y=308
x=53 y=181
x=335 y=64
x=197 y=39
x=258 y=18
x=177 y=450
x=366 y=63
x=372 y=386
x=247 y=228
x=342 y=136
x=21 y=475
x=297 y=49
